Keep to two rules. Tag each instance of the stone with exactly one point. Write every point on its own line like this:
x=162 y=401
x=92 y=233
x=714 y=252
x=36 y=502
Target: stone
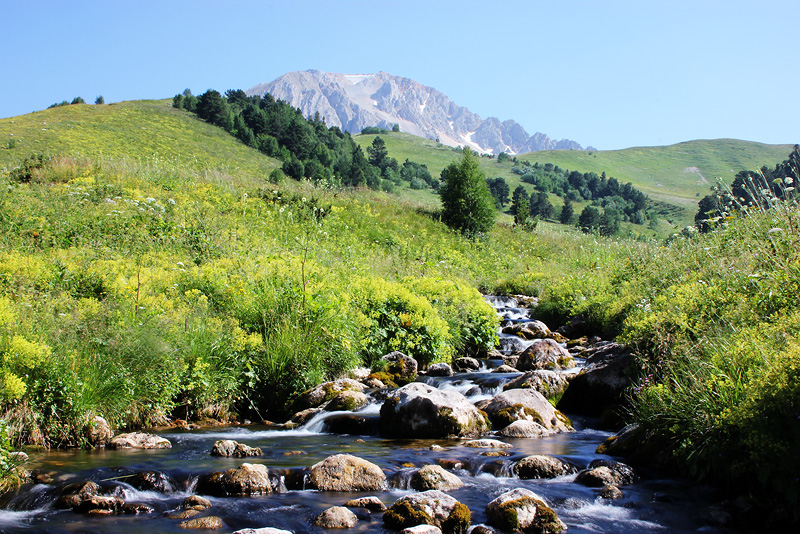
x=431 y=507
x=504 y=369
x=466 y=364
x=139 y=440
x=609 y=371
x=353 y=423
x=525 y=404
x=98 y=432
x=373 y=504
x=347 y=401
x=304 y=416
x=247 y=479
x=440 y=369
x=185 y=514
x=264 y=530
x=542 y=466
x=374 y=383
x=611 y=493
x=336 y=517
x=434 y=477
x=322 y=393
x=521 y=510
x=422 y=529
x=548 y=383
x=524 y=429
x=135 y=508
x=231 y=448
x=109 y=503
x=73 y=494
x=529 y=330
x=487 y=444
x=601 y=473
x=195 y=502
x=545 y=354
x=401 y=366
x=210 y=522
x=418 y=410
x=152 y=481
x=345 y=472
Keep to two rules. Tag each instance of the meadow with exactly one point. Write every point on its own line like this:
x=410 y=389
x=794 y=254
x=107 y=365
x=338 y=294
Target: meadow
x=151 y=283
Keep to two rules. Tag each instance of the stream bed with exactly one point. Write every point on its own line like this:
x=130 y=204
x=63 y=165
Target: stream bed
x=654 y=503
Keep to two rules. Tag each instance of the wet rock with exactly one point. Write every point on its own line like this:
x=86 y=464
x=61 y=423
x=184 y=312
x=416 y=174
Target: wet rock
x=139 y=440
x=466 y=364
x=449 y=463
x=210 y=522
x=528 y=330
x=422 y=411
x=304 y=416
x=434 y=477
x=374 y=383
x=353 y=424
x=107 y=503
x=322 y=393
x=136 y=508
x=428 y=508
x=610 y=493
x=247 y=479
x=373 y=504
x=545 y=354
x=195 y=502
x=440 y=369
x=542 y=466
x=496 y=454
x=264 y=530
x=152 y=481
x=487 y=444
x=524 y=429
x=359 y=373
x=98 y=432
x=548 y=383
x=344 y=472
x=606 y=473
x=609 y=371
x=336 y=517
x=401 y=366
x=525 y=404
x=185 y=514
x=481 y=529
x=73 y=494
x=504 y=369
x=521 y=510
x=422 y=529
x=510 y=348
x=229 y=447
x=347 y=401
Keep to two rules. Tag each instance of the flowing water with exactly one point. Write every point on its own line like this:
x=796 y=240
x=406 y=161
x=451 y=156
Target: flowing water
x=653 y=504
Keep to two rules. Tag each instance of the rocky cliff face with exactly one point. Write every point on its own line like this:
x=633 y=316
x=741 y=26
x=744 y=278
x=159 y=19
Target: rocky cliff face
x=354 y=101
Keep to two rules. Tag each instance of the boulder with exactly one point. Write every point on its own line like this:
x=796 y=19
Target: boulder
x=98 y=432
x=195 y=502
x=136 y=508
x=322 y=393
x=304 y=416
x=73 y=494
x=511 y=347
x=247 y=479
x=229 y=447
x=264 y=530
x=422 y=411
x=422 y=529
x=610 y=370
x=528 y=330
x=545 y=354
x=434 y=477
x=152 y=481
x=336 y=517
x=521 y=510
x=524 y=429
x=139 y=440
x=466 y=364
x=504 y=369
x=602 y=473
x=210 y=522
x=520 y=404
x=440 y=369
x=542 y=466
x=107 y=503
x=611 y=493
x=372 y=504
x=347 y=401
x=431 y=507
x=401 y=366
x=487 y=444
x=357 y=424
x=548 y=383
x=345 y=472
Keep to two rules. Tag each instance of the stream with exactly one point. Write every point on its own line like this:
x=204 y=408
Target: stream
x=655 y=503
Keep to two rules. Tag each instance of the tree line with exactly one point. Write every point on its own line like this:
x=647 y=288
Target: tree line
x=307 y=147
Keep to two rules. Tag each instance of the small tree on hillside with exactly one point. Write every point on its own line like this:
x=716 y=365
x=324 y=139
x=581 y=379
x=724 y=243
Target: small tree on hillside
x=100 y=100
x=567 y=212
x=467 y=204
x=520 y=205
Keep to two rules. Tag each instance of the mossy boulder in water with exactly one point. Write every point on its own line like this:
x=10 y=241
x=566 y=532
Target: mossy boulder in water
x=229 y=447
x=322 y=393
x=543 y=466
x=525 y=404
x=428 y=508
x=336 y=517
x=247 y=479
x=434 y=477
x=548 y=383
x=521 y=510
x=545 y=354
x=422 y=411
x=528 y=330
x=347 y=401
x=401 y=367
x=345 y=472
x=139 y=440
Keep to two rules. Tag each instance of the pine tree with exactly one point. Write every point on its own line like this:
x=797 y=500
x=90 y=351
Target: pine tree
x=467 y=205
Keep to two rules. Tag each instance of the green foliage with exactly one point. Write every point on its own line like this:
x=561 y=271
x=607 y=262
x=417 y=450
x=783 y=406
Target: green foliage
x=520 y=205
x=99 y=101
x=467 y=205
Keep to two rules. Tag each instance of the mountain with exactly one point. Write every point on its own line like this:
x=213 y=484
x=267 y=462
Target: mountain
x=355 y=101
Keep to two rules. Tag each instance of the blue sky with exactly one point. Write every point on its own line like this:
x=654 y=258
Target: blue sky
x=611 y=74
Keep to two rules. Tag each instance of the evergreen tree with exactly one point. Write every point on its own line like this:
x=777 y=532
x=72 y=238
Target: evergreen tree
x=567 y=212
x=467 y=205
x=520 y=205
x=378 y=153
x=540 y=206
x=100 y=100
x=589 y=219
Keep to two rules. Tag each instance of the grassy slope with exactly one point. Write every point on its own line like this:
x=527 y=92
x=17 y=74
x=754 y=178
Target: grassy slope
x=136 y=130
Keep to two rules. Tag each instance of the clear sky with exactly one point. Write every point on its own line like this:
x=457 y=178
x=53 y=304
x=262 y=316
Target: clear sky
x=611 y=74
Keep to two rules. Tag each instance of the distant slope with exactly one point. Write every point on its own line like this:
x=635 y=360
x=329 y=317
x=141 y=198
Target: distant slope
x=355 y=101
x=679 y=174
x=141 y=129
